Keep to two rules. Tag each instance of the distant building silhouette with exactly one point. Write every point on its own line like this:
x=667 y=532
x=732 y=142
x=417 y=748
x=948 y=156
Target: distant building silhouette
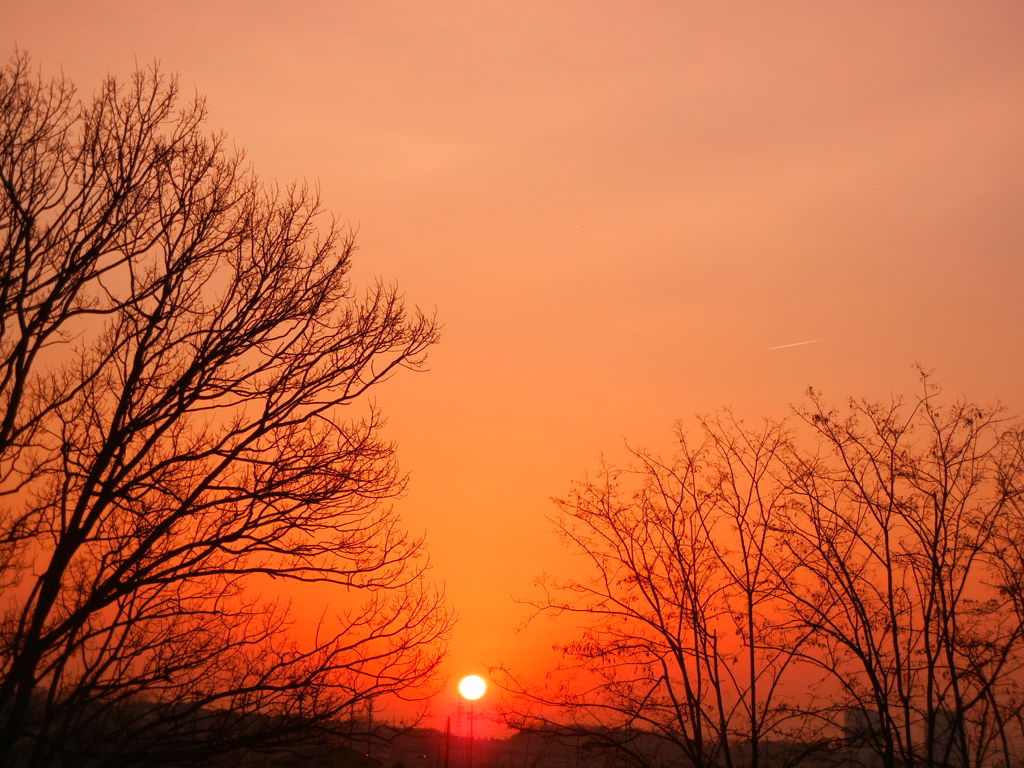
x=863 y=735
x=946 y=748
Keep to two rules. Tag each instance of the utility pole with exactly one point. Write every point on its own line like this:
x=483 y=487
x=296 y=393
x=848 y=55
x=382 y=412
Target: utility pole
x=369 y=726
x=447 y=740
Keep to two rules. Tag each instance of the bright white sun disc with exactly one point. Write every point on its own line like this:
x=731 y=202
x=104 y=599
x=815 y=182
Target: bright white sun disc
x=472 y=687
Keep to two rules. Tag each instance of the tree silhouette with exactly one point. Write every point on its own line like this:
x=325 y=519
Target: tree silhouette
x=842 y=590
x=680 y=637
x=183 y=370
x=905 y=529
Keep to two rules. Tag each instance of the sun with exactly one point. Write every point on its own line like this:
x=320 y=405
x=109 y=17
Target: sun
x=472 y=687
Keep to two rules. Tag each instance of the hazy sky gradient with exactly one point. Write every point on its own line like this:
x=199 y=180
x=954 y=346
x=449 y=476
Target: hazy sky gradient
x=617 y=210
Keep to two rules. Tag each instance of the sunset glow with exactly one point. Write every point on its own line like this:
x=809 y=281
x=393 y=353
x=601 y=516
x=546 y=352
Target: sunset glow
x=448 y=318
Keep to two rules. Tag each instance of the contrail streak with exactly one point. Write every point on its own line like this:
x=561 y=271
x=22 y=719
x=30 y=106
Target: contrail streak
x=796 y=344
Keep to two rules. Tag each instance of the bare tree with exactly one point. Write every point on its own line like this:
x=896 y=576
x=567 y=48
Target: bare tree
x=1006 y=694
x=852 y=594
x=680 y=655
x=183 y=361
x=908 y=576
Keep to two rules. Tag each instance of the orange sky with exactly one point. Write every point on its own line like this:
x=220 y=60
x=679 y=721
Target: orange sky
x=616 y=209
